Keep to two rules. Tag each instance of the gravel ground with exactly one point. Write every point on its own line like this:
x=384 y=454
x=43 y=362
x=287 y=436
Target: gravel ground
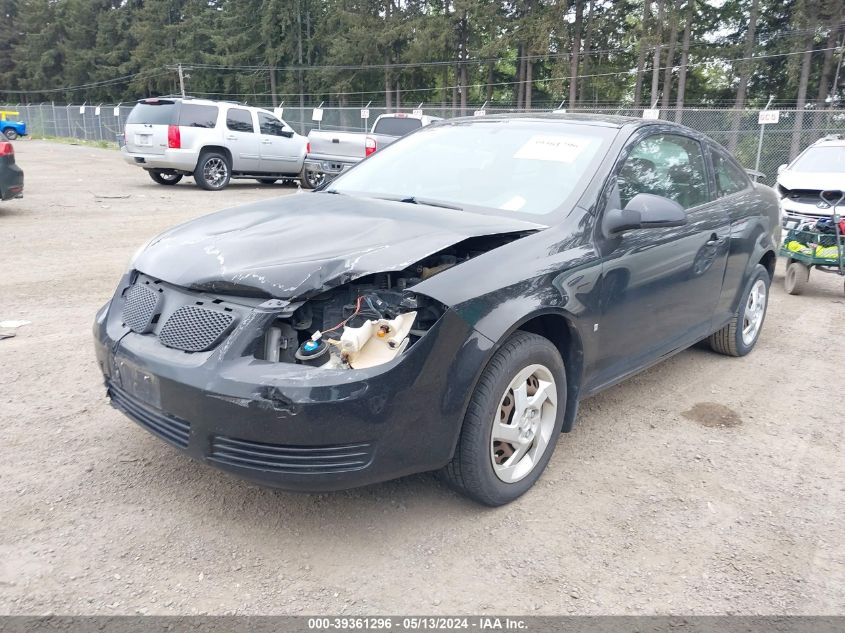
x=706 y=485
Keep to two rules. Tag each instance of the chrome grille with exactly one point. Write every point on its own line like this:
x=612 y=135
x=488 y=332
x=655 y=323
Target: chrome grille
x=140 y=307
x=195 y=329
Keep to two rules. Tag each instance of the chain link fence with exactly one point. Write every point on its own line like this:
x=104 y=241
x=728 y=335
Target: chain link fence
x=737 y=130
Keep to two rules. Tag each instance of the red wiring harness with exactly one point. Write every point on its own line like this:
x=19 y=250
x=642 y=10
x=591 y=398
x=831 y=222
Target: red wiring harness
x=347 y=319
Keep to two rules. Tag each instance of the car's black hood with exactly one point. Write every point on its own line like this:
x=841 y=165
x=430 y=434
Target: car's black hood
x=299 y=245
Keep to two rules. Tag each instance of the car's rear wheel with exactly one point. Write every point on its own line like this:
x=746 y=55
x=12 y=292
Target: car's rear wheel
x=796 y=278
x=267 y=181
x=213 y=171
x=164 y=178
x=311 y=179
x=512 y=423
x=740 y=336
x=10 y=133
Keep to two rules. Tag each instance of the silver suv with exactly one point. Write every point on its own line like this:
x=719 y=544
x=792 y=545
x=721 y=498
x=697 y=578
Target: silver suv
x=213 y=141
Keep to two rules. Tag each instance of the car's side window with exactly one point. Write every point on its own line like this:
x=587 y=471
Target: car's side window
x=239 y=120
x=270 y=125
x=730 y=179
x=668 y=165
x=194 y=115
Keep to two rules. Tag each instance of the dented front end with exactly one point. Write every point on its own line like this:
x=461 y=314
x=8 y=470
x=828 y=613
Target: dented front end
x=278 y=421
x=300 y=358
x=361 y=380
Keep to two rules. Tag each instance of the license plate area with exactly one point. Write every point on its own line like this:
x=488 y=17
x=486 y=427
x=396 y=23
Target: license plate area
x=144 y=140
x=138 y=383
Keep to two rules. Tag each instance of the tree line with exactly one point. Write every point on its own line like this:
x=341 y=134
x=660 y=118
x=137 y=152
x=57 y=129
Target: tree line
x=515 y=53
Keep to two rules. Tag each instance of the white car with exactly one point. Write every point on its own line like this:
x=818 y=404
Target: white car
x=818 y=168
x=213 y=141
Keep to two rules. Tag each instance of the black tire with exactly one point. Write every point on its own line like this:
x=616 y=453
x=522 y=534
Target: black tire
x=730 y=340
x=471 y=470
x=267 y=181
x=796 y=278
x=163 y=178
x=311 y=179
x=10 y=133
x=213 y=171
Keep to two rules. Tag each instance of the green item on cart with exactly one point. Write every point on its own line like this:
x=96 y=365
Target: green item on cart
x=798 y=247
x=827 y=252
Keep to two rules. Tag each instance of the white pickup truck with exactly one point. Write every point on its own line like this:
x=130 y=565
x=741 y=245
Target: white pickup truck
x=331 y=153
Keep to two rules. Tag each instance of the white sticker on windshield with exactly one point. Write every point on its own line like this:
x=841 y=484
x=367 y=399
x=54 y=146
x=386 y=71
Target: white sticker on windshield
x=514 y=204
x=563 y=149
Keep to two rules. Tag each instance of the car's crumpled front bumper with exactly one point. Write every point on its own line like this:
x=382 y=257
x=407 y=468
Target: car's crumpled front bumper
x=292 y=426
x=795 y=213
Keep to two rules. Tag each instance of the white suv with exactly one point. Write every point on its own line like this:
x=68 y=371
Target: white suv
x=213 y=141
x=818 y=168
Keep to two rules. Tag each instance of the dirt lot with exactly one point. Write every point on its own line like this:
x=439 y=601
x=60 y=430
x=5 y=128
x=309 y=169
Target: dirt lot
x=660 y=501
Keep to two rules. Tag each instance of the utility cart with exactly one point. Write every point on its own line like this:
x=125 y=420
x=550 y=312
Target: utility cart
x=818 y=245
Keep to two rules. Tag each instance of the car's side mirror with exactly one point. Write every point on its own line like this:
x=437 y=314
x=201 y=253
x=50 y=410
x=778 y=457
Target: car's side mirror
x=286 y=133
x=644 y=211
x=781 y=167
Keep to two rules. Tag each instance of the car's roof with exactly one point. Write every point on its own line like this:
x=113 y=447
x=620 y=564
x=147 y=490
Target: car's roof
x=602 y=120
x=195 y=100
x=834 y=140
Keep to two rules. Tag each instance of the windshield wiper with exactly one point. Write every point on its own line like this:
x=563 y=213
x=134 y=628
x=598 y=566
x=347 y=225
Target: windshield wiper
x=423 y=201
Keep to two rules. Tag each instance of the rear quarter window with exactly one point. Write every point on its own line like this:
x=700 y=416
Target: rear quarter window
x=396 y=126
x=193 y=115
x=153 y=113
x=730 y=178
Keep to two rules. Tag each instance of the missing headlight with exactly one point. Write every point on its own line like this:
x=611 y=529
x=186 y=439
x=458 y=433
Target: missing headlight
x=362 y=324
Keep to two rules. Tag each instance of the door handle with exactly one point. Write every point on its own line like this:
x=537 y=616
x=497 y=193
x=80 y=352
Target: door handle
x=232 y=138
x=715 y=240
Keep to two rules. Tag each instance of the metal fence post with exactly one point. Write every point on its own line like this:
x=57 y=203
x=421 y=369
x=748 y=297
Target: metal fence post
x=759 y=150
x=760 y=142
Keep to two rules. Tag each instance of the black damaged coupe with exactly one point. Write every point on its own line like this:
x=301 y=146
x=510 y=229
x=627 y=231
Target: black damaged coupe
x=444 y=305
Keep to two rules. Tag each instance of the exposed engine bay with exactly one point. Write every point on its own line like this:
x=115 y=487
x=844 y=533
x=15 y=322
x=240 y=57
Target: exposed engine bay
x=369 y=321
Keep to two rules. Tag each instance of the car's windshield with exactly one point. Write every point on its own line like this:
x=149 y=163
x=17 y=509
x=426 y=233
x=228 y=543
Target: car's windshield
x=822 y=159
x=510 y=167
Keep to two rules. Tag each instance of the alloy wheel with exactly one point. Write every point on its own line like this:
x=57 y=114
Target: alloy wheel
x=523 y=423
x=215 y=172
x=315 y=179
x=755 y=310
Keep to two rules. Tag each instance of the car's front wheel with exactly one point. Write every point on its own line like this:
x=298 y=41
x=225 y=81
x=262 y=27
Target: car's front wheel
x=740 y=336
x=10 y=133
x=512 y=423
x=164 y=178
x=213 y=171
